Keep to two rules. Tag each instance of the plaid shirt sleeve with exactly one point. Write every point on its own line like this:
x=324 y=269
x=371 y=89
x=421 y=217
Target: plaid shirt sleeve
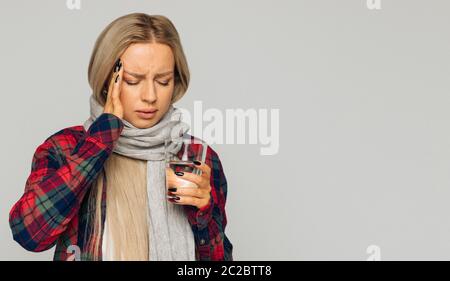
x=57 y=183
x=209 y=222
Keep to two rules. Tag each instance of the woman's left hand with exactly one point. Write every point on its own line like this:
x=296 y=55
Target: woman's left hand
x=195 y=196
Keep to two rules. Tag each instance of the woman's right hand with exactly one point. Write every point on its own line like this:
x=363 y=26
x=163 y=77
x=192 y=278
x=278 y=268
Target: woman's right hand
x=113 y=104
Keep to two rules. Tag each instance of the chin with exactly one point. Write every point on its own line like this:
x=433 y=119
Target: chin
x=144 y=124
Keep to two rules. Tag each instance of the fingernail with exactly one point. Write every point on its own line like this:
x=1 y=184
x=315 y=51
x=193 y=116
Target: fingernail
x=120 y=66
x=197 y=163
x=173 y=189
x=179 y=173
x=117 y=78
x=116 y=65
x=176 y=198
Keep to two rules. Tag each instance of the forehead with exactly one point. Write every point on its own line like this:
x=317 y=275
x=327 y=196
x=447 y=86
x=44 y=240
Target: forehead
x=148 y=58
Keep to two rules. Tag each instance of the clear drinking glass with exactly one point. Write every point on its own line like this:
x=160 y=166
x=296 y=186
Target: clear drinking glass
x=183 y=161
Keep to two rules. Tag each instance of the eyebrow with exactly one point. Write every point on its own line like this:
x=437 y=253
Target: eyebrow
x=142 y=76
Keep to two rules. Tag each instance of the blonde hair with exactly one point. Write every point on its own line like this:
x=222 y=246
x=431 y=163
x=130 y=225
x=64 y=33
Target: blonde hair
x=126 y=199
x=126 y=208
x=129 y=29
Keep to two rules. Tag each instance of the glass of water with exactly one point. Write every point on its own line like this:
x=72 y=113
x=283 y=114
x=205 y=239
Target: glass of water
x=183 y=160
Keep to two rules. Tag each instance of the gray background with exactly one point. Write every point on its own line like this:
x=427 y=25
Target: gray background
x=363 y=96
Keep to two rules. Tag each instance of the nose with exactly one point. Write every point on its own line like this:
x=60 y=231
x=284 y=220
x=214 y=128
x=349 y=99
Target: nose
x=149 y=94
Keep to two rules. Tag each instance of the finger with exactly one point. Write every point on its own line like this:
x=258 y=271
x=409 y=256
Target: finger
x=111 y=84
x=173 y=180
x=198 y=180
x=116 y=85
x=186 y=200
x=113 y=77
x=108 y=103
x=202 y=166
x=188 y=191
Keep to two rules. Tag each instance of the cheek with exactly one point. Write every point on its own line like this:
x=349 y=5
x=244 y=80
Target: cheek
x=166 y=94
x=128 y=98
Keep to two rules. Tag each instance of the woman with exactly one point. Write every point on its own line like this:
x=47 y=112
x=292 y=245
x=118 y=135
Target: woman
x=93 y=189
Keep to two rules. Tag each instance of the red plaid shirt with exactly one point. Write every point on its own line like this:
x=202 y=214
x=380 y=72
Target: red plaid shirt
x=54 y=210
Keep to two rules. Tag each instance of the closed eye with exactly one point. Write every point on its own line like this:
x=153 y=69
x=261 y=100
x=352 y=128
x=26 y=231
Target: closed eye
x=131 y=83
x=163 y=83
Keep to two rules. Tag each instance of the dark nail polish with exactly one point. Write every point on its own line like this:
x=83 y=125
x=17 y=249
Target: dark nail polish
x=176 y=198
x=116 y=65
x=119 y=67
x=117 y=78
x=173 y=189
x=197 y=163
x=179 y=173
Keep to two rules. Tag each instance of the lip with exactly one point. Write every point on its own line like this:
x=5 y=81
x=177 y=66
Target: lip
x=146 y=114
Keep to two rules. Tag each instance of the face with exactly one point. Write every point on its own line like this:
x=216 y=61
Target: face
x=147 y=82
